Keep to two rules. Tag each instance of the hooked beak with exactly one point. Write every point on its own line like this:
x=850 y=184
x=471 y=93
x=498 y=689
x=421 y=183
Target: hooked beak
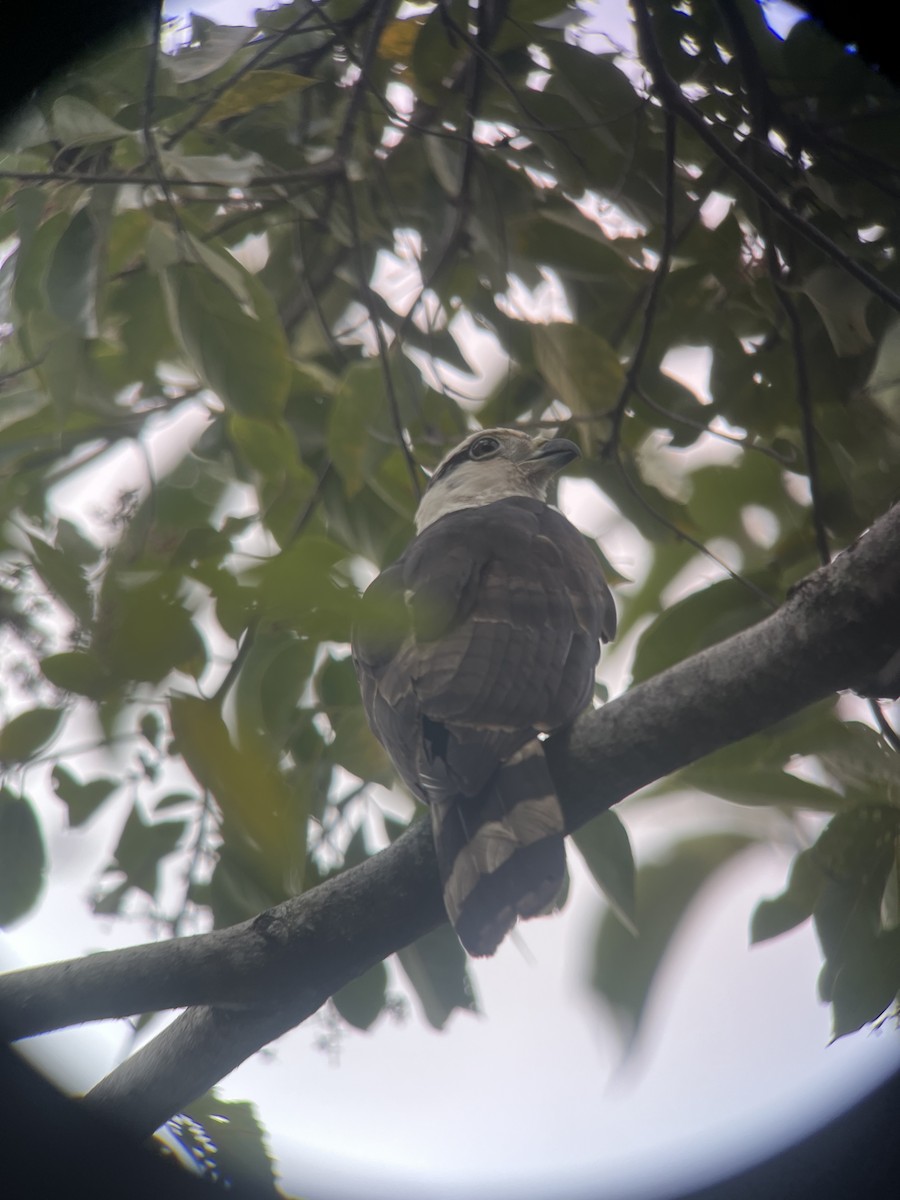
x=556 y=453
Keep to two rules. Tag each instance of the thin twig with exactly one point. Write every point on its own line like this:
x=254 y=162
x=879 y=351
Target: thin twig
x=308 y=511
x=31 y=366
x=368 y=301
x=802 y=394
x=314 y=173
x=153 y=155
x=651 y=303
x=887 y=729
x=237 y=662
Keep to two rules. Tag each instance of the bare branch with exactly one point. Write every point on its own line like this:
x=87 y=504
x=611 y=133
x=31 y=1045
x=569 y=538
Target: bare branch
x=632 y=374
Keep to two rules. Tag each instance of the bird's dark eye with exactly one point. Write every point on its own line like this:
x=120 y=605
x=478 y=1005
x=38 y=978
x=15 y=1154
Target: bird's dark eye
x=484 y=447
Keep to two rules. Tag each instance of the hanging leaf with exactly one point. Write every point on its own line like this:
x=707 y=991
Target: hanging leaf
x=581 y=368
x=699 y=620
x=604 y=845
x=75 y=122
x=796 y=903
x=233 y=1148
x=141 y=848
x=145 y=632
x=22 y=857
x=241 y=358
x=82 y=800
x=264 y=818
x=212 y=46
x=253 y=90
x=73 y=276
x=360 y=1002
x=625 y=967
x=78 y=671
x=63 y=576
x=435 y=966
x=23 y=736
x=841 y=302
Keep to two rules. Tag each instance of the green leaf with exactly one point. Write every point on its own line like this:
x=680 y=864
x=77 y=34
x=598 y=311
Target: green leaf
x=883 y=383
x=78 y=671
x=856 y=853
x=142 y=847
x=436 y=967
x=145 y=632
x=243 y=359
x=841 y=302
x=212 y=46
x=862 y=762
x=750 y=773
x=360 y=1001
x=435 y=53
x=795 y=904
x=22 y=857
x=23 y=736
x=72 y=542
x=75 y=122
x=63 y=576
x=73 y=276
x=358 y=751
x=606 y=850
x=273 y=676
x=234 y=1149
x=254 y=90
x=283 y=682
x=174 y=800
x=301 y=587
x=151 y=728
x=625 y=967
x=580 y=367
x=264 y=817
x=867 y=983
x=81 y=799
x=699 y=620
x=214 y=168
x=359 y=437
x=576 y=249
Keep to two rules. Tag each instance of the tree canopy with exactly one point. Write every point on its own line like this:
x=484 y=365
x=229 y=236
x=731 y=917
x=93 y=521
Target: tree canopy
x=277 y=269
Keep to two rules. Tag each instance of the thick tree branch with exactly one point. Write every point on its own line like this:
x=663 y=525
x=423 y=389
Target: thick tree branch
x=835 y=631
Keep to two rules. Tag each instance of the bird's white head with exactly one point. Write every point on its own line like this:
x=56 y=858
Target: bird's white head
x=493 y=464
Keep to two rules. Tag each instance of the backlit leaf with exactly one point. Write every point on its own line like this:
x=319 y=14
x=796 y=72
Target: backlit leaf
x=81 y=799
x=625 y=967
x=22 y=857
x=241 y=358
x=253 y=90
x=360 y=1001
x=435 y=965
x=29 y=732
x=604 y=845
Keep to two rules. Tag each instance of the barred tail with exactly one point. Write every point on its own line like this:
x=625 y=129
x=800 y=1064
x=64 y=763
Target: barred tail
x=501 y=854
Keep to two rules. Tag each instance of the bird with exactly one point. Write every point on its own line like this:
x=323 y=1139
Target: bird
x=481 y=639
